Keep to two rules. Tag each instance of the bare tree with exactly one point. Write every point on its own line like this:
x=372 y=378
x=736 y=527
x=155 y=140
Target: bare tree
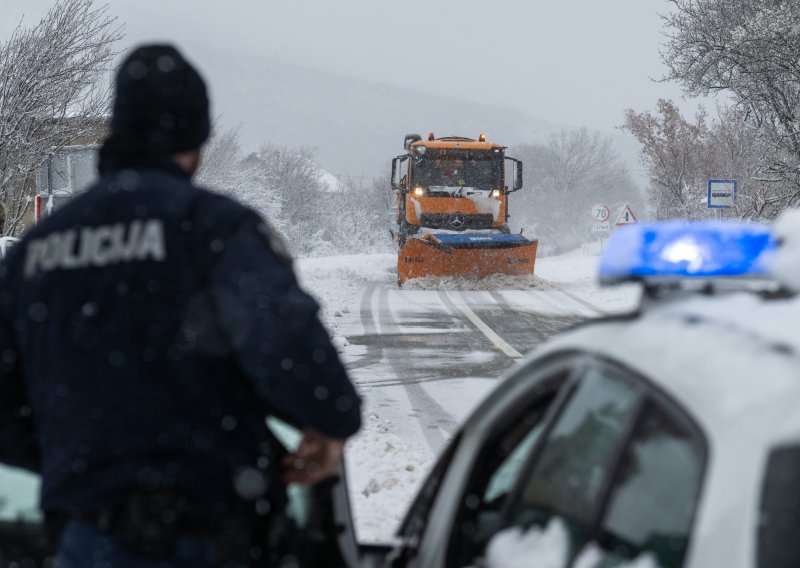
x=51 y=91
x=750 y=49
x=284 y=185
x=225 y=169
x=681 y=156
x=357 y=216
x=737 y=151
x=563 y=179
x=221 y=156
x=672 y=151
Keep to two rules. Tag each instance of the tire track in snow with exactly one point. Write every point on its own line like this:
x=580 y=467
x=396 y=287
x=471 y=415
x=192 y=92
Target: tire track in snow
x=566 y=302
x=463 y=306
x=584 y=303
x=529 y=329
x=373 y=355
x=437 y=424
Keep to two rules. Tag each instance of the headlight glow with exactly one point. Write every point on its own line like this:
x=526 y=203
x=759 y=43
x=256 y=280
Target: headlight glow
x=495 y=193
x=418 y=191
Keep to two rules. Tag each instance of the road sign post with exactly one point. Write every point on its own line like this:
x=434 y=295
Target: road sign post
x=721 y=195
x=600 y=221
x=600 y=213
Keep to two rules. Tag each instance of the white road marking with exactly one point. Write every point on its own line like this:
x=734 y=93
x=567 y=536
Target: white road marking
x=497 y=341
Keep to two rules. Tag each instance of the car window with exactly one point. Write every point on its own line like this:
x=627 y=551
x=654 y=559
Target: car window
x=19 y=495
x=655 y=491
x=23 y=538
x=575 y=459
x=497 y=469
x=503 y=478
x=779 y=519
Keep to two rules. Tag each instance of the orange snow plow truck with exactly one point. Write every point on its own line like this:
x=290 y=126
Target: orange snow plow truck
x=452 y=209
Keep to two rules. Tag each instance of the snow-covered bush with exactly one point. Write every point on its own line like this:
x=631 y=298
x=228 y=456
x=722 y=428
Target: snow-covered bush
x=288 y=188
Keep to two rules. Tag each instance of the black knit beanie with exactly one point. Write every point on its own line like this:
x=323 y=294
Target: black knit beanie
x=160 y=104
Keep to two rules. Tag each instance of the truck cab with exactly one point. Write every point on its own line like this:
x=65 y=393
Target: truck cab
x=453 y=183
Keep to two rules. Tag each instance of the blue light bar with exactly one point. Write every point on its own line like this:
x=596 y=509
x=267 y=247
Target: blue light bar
x=676 y=249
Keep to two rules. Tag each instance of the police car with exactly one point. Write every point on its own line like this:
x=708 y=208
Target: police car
x=667 y=438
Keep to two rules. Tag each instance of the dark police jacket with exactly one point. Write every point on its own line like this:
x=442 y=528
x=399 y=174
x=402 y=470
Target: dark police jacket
x=146 y=330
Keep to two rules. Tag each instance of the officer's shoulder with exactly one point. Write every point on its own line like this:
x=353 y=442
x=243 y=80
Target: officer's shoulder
x=219 y=211
x=223 y=216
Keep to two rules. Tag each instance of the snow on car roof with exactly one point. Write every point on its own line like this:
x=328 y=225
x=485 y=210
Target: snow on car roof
x=721 y=357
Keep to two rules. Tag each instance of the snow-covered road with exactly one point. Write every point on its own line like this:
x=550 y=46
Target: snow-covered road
x=409 y=347
x=425 y=355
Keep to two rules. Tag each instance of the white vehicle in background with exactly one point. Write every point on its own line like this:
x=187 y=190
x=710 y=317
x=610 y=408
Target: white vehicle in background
x=5 y=245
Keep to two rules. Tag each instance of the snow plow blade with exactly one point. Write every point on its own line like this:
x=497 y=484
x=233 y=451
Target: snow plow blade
x=470 y=255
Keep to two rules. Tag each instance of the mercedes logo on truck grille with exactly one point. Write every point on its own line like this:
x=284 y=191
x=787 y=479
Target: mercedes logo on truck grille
x=457 y=221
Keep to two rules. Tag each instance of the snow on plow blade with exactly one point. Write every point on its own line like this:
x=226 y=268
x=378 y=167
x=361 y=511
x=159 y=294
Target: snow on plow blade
x=473 y=255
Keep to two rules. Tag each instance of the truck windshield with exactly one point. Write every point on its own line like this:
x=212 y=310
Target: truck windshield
x=453 y=171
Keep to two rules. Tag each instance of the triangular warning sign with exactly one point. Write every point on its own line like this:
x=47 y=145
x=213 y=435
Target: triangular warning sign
x=626 y=216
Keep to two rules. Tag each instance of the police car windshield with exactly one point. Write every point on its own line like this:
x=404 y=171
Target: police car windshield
x=458 y=170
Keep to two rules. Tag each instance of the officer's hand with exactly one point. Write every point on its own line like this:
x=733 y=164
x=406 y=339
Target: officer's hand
x=316 y=458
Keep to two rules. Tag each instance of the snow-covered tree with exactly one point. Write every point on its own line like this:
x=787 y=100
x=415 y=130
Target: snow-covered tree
x=356 y=217
x=739 y=152
x=293 y=177
x=284 y=185
x=225 y=169
x=563 y=179
x=673 y=149
x=750 y=50
x=51 y=92
x=681 y=156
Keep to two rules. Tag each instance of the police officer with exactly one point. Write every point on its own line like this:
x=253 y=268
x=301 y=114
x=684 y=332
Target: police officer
x=147 y=328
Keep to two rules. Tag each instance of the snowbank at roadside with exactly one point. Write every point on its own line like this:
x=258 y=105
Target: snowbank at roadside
x=576 y=268
x=384 y=472
x=336 y=281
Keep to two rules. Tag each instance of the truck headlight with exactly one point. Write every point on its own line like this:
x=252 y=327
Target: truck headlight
x=495 y=193
x=419 y=192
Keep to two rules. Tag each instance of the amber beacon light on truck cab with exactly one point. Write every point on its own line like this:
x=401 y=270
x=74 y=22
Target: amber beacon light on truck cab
x=452 y=209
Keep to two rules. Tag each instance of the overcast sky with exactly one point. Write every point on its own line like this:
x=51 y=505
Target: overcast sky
x=572 y=62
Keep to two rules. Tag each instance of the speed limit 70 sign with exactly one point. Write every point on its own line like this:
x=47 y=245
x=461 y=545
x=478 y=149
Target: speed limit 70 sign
x=600 y=217
x=600 y=213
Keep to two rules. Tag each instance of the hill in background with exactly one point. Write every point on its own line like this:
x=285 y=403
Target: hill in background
x=355 y=126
